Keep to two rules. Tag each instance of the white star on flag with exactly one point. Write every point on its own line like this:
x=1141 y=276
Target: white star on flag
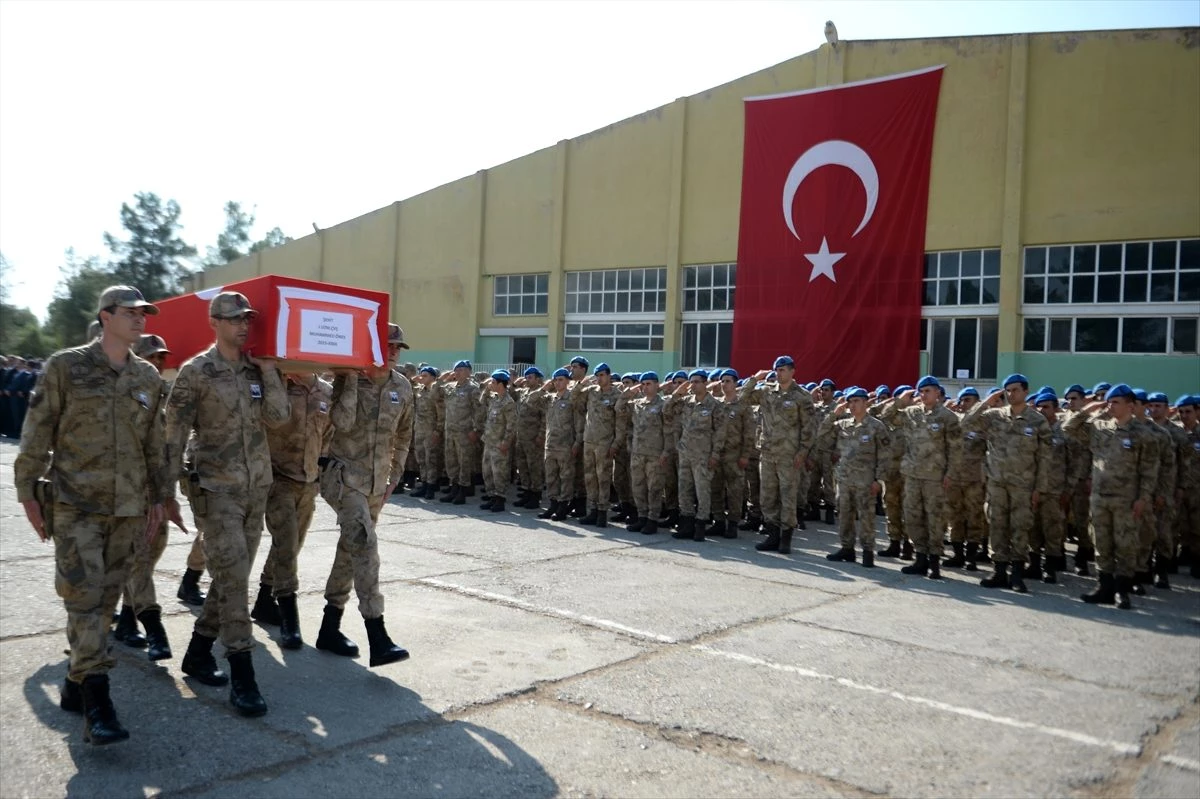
x=823 y=261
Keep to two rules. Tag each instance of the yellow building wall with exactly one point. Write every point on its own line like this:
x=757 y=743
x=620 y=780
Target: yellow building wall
x=362 y=251
x=1113 y=138
x=618 y=188
x=300 y=258
x=520 y=215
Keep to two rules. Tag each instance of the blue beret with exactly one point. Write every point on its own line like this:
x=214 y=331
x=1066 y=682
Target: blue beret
x=810 y=386
x=856 y=393
x=900 y=389
x=994 y=390
x=1139 y=394
x=429 y=370
x=1045 y=390
x=700 y=373
x=533 y=371
x=827 y=383
x=1157 y=396
x=1119 y=390
x=463 y=365
x=730 y=373
x=742 y=382
x=1045 y=396
x=500 y=375
x=634 y=376
x=561 y=373
x=649 y=376
x=784 y=360
x=969 y=391
x=582 y=361
x=772 y=376
x=602 y=367
x=682 y=375
x=880 y=390
x=926 y=381
x=838 y=394
x=1074 y=387
x=1102 y=387
x=1016 y=378
x=1188 y=399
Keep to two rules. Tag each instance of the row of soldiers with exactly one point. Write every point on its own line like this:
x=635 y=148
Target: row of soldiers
x=17 y=378
x=1115 y=469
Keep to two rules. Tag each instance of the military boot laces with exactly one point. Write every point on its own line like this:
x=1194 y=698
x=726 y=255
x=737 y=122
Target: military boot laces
x=100 y=724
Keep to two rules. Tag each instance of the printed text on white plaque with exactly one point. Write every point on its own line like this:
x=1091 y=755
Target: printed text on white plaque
x=326 y=332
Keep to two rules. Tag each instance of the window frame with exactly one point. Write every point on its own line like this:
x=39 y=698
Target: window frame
x=615 y=294
x=928 y=320
x=1146 y=273
x=685 y=357
x=1172 y=317
x=541 y=291
x=951 y=261
x=576 y=332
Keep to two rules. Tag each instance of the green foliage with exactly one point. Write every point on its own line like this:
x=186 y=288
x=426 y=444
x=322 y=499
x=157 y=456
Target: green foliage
x=74 y=304
x=152 y=258
x=234 y=241
x=274 y=238
x=19 y=333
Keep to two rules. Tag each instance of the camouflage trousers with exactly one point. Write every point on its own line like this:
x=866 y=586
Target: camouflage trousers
x=597 y=475
x=1154 y=533
x=622 y=481
x=1010 y=518
x=1079 y=512
x=460 y=458
x=560 y=475
x=964 y=512
x=580 y=470
x=1115 y=532
x=497 y=469
x=195 y=558
x=646 y=479
x=530 y=464
x=893 y=505
x=751 y=487
x=728 y=489
x=290 y=507
x=429 y=455
x=139 y=585
x=356 y=561
x=1187 y=522
x=821 y=483
x=91 y=556
x=925 y=515
x=695 y=486
x=779 y=481
x=856 y=514
x=671 y=482
x=1049 y=527
x=233 y=525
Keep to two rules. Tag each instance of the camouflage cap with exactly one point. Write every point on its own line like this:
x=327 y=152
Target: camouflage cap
x=124 y=297
x=396 y=335
x=230 y=304
x=150 y=344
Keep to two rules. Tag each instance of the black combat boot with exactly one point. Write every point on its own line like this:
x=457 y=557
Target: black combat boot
x=785 y=540
x=469 y=488
x=999 y=577
x=579 y=507
x=243 y=690
x=620 y=512
x=1105 y=593
x=289 y=623
x=906 y=550
x=869 y=557
x=687 y=527
x=1053 y=566
x=602 y=518
x=265 y=610
x=451 y=493
x=718 y=527
x=198 y=661
x=935 y=571
x=983 y=553
x=671 y=519
x=533 y=501
x=522 y=495
x=773 y=539
x=1081 y=561
x=383 y=651
x=1162 y=568
x=592 y=515
x=330 y=638
x=829 y=515
x=1017 y=582
x=71 y=698
x=752 y=524
x=1034 y=572
x=1124 y=586
x=189 y=592
x=892 y=551
x=127 y=631
x=486 y=503
x=730 y=530
x=497 y=505
x=972 y=557
x=637 y=525
x=845 y=554
x=158 y=648
x=812 y=513
x=919 y=566
x=550 y=511
x=564 y=509
x=651 y=526
x=958 y=561
x=698 y=530
x=460 y=495
x=100 y=725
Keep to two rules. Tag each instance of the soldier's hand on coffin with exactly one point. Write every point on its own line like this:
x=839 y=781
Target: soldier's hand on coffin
x=265 y=363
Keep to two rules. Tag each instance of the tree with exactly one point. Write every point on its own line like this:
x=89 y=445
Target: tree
x=234 y=241
x=274 y=238
x=19 y=334
x=74 y=305
x=152 y=258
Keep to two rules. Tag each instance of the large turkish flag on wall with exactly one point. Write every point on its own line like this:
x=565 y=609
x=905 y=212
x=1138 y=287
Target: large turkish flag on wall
x=835 y=188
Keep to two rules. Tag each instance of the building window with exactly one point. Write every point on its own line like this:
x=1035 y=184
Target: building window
x=961 y=349
x=520 y=295
x=613 y=336
x=1174 y=335
x=706 y=344
x=962 y=277
x=617 y=291
x=1121 y=272
x=708 y=287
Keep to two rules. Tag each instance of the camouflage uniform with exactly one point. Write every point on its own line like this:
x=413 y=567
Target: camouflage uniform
x=499 y=428
x=139 y=585
x=531 y=431
x=430 y=420
x=228 y=405
x=928 y=440
x=893 y=479
x=1148 y=525
x=295 y=449
x=645 y=420
x=372 y=423
x=597 y=429
x=753 y=506
x=96 y=434
x=1079 y=468
x=1187 y=520
x=964 y=498
x=464 y=416
x=729 y=479
x=1124 y=470
x=672 y=429
x=702 y=438
x=560 y=439
x=820 y=477
x=622 y=476
x=788 y=432
x=1165 y=534
x=1049 y=528
x=859 y=451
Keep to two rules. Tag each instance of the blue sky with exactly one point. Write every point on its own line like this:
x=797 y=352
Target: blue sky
x=315 y=111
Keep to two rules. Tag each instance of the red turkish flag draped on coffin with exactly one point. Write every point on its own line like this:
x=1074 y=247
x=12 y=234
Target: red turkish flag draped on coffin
x=835 y=187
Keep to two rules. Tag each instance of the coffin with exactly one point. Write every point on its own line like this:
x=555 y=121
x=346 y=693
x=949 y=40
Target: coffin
x=311 y=326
